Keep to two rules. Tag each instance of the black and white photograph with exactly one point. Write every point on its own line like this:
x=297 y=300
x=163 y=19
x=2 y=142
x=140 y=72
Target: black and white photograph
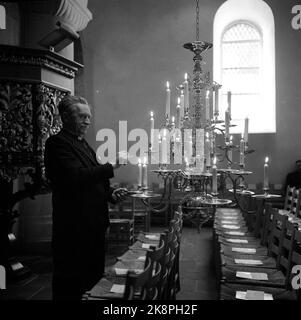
x=149 y=154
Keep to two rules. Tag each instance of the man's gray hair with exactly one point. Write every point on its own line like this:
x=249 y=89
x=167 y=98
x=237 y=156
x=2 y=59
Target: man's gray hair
x=65 y=105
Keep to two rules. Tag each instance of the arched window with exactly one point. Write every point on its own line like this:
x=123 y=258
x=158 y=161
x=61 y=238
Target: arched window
x=244 y=63
x=2 y=17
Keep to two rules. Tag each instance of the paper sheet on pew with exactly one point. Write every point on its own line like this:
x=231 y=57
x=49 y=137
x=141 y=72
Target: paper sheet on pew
x=118 y=288
x=244 y=250
x=231 y=223
x=253 y=295
x=123 y=272
x=147 y=245
x=230 y=226
x=252 y=275
x=235 y=233
x=152 y=236
x=142 y=258
x=237 y=240
x=248 y=261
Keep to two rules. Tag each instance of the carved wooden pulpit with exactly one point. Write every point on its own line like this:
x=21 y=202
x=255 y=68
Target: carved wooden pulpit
x=32 y=82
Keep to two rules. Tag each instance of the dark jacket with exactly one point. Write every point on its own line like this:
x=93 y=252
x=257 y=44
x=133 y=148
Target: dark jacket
x=80 y=194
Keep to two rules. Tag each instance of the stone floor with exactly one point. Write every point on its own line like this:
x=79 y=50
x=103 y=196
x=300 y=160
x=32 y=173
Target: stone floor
x=196 y=271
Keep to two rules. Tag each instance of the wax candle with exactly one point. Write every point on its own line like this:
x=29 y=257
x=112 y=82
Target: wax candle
x=182 y=104
x=265 y=174
x=246 y=131
x=160 y=148
x=242 y=151
x=207 y=105
x=173 y=122
x=178 y=114
x=164 y=148
x=152 y=126
x=216 y=109
x=139 y=173
x=144 y=176
x=214 y=177
x=230 y=151
x=186 y=93
x=227 y=126
x=207 y=146
x=167 y=100
x=229 y=103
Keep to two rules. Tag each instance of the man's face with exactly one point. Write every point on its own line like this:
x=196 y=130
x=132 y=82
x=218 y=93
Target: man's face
x=79 y=119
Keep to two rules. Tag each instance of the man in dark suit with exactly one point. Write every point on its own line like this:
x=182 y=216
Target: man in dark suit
x=80 y=194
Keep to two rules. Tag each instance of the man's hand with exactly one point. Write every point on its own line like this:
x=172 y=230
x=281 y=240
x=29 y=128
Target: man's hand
x=119 y=194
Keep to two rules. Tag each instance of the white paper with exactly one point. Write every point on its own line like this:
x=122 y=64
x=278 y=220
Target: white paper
x=248 y=261
x=152 y=237
x=231 y=223
x=146 y=245
x=237 y=240
x=230 y=226
x=235 y=233
x=118 y=288
x=244 y=250
x=121 y=272
x=252 y=275
x=142 y=258
x=242 y=295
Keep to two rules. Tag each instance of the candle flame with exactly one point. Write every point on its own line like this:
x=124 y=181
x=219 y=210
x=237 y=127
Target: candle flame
x=182 y=92
x=179 y=100
x=266 y=160
x=231 y=138
x=207 y=94
x=139 y=161
x=167 y=85
x=186 y=76
x=173 y=119
x=151 y=113
x=214 y=161
x=207 y=135
x=145 y=160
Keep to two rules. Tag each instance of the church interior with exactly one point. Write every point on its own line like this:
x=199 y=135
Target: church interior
x=203 y=98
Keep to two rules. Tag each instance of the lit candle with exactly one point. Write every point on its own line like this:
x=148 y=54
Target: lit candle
x=246 y=131
x=207 y=105
x=214 y=177
x=167 y=100
x=187 y=164
x=140 y=173
x=164 y=148
x=152 y=126
x=207 y=146
x=144 y=181
x=242 y=151
x=173 y=122
x=216 y=110
x=178 y=113
x=182 y=103
x=265 y=174
x=227 y=126
x=186 y=93
x=229 y=103
x=160 y=148
x=230 y=151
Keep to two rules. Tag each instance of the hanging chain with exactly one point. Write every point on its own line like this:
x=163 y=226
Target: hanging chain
x=197 y=24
